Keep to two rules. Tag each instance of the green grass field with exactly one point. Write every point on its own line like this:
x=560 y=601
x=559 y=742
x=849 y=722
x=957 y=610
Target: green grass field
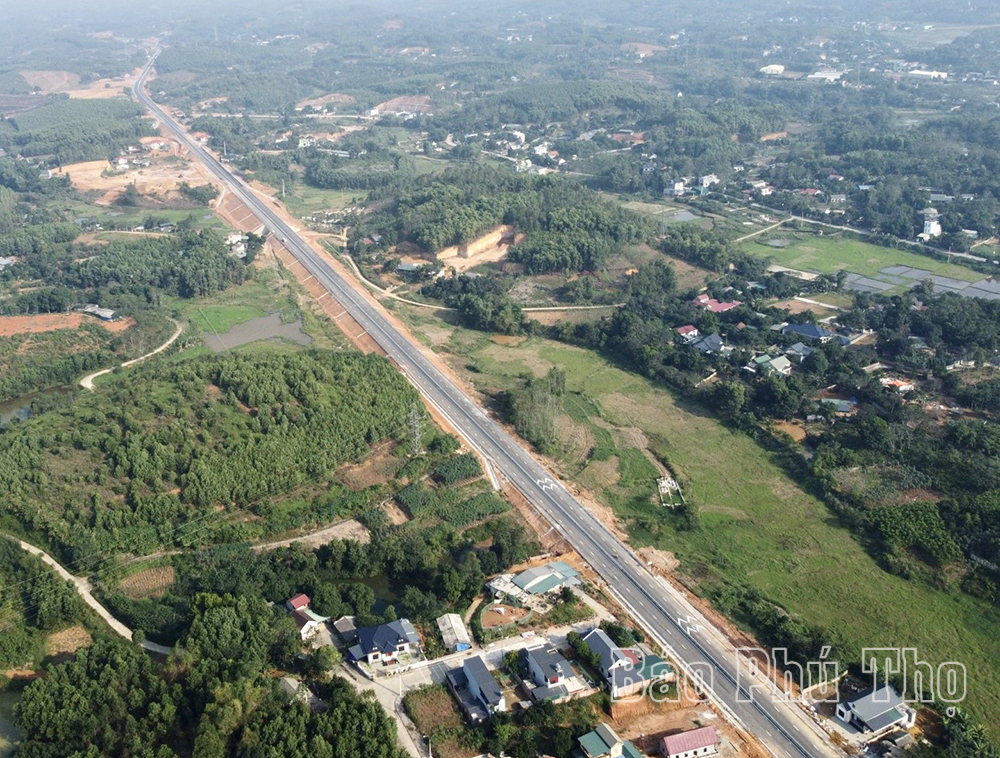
x=427 y=165
x=829 y=254
x=758 y=527
x=106 y=215
x=305 y=200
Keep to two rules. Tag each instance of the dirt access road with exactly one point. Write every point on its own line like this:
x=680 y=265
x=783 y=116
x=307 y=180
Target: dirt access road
x=88 y=381
x=85 y=589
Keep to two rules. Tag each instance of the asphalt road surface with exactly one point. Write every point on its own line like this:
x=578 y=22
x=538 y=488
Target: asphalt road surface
x=781 y=727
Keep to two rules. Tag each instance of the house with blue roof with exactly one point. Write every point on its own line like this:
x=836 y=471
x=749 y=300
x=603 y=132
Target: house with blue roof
x=813 y=332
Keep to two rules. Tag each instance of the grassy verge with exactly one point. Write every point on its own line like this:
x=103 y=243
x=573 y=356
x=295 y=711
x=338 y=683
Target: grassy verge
x=758 y=527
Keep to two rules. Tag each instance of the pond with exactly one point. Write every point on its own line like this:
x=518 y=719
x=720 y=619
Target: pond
x=9 y=736
x=19 y=408
x=259 y=328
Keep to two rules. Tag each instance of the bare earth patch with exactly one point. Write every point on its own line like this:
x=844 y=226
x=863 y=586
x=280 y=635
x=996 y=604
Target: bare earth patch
x=642 y=48
x=795 y=431
x=407 y=104
x=501 y=615
x=661 y=561
x=374 y=470
x=151 y=583
x=797 y=306
x=164 y=177
x=67 y=641
x=395 y=514
x=50 y=322
x=319 y=102
x=51 y=81
x=489 y=248
x=350 y=529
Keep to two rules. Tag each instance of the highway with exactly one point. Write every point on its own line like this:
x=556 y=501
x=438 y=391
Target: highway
x=781 y=727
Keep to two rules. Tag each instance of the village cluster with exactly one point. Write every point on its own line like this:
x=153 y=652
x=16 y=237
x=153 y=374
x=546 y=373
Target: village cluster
x=562 y=664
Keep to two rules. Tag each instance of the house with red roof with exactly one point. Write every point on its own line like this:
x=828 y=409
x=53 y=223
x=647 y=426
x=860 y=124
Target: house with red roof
x=298 y=602
x=691 y=744
x=714 y=306
x=688 y=332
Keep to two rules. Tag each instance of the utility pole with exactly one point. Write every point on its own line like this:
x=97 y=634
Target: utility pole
x=415 y=418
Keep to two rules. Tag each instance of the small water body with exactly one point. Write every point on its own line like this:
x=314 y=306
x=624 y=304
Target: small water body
x=684 y=216
x=9 y=736
x=258 y=328
x=19 y=408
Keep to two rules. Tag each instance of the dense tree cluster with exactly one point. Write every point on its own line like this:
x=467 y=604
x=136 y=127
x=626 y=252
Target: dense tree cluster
x=533 y=407
x=569 y=228
x=415 y=571
x=213 y=699
x=155 y=455
x=74 y=130
x=482 y=303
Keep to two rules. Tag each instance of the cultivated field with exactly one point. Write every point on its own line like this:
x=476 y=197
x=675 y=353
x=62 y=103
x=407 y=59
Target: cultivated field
x=758 y=526
x=148 y=583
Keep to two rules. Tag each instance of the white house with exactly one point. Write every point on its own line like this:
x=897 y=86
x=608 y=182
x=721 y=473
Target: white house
x=876 y=710
x=385 y=643
x=932 y=224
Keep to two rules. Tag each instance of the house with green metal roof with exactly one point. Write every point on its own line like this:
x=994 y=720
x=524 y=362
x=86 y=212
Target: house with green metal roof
x=543 y=579
x=604 y=743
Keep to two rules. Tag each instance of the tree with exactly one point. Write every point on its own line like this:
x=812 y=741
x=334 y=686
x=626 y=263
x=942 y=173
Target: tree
x=129 y=197
x=730 y=399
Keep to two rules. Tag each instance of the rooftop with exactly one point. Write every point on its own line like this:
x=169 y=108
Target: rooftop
x=690 y=740
x=453 y=630
x=385 y=638
x=475 y=669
